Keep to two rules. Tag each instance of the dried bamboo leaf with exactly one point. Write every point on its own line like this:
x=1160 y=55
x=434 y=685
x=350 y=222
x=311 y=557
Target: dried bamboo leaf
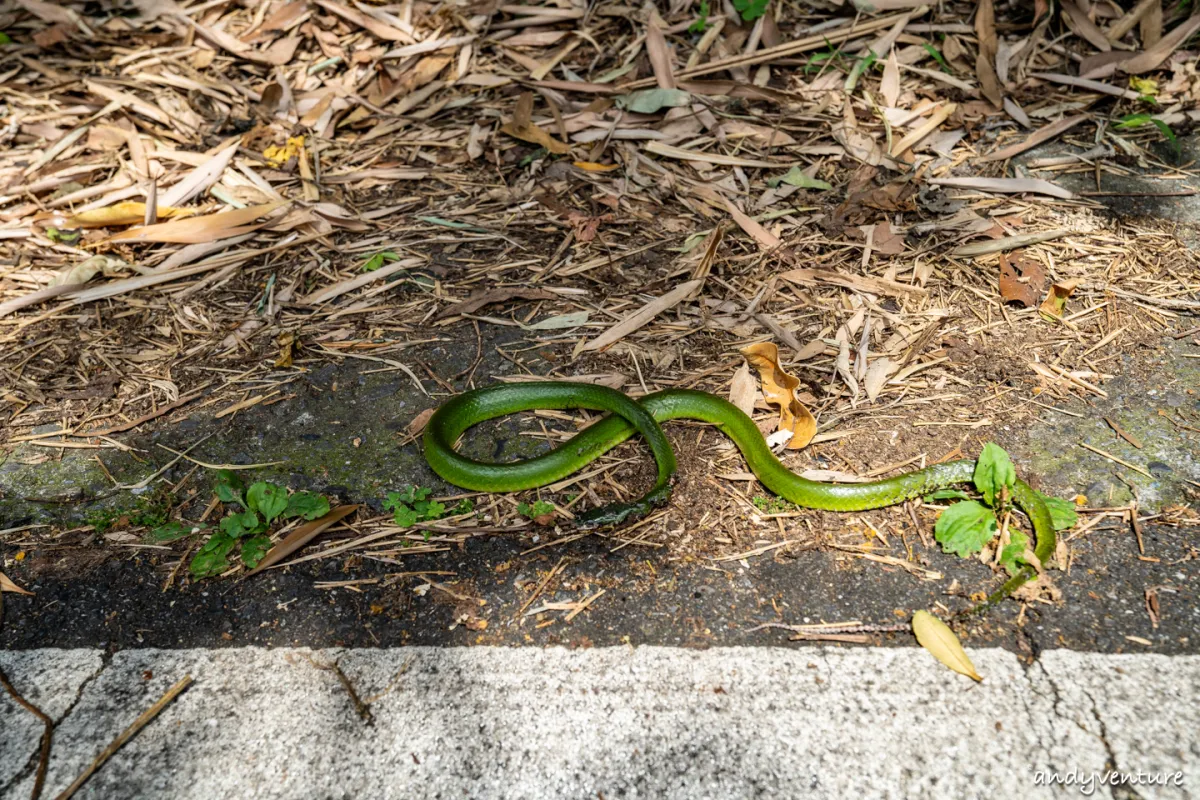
x=889 y=84
x=127 y=213
x=742 y=390
x=660 y=57
x=985 y=60
x=1008 y=186
x=1085 y=27
x=1038 y=137
x=200 y=229
x=640 y=317
x=7 y=585
x=1153 y=57
x=936 y=637
x=300 y=537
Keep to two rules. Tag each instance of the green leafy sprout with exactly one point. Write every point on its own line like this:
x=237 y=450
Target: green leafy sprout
x=771 y=505
x=254 y=509
x=150 y=512
x=937 y=56
x=378 y=260
x=540 y=509
x=751 y=9
x=1134 y=121
x=966 y=526
x=701 y=23
x=412 y=505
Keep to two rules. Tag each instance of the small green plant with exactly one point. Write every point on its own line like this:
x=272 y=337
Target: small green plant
x=771 y=505
x=149 y=512
x=171 y=532
x=540 y=511
x=701 y=23
x=255 y=509
x=4 y=38
x=967 y=525
x=378 y=260
x=751 y=9
x=1132 y=121
x=413 y=505
x=819 y=61
x=937 y=56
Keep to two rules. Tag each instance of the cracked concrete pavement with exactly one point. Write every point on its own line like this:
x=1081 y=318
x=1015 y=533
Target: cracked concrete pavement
x=604 y=722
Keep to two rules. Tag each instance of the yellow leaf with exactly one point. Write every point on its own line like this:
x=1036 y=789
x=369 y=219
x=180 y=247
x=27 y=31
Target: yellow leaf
x=129 y=213
x=200 y=229
x=779 y=388
x=592 y=166
x=6 y=585
x=522 y=128
x=534 y=135
x=278 y=155
x=1147 y=87
x=936 y=637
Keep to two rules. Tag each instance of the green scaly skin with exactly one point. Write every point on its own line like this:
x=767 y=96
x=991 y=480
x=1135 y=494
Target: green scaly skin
x=643 y=416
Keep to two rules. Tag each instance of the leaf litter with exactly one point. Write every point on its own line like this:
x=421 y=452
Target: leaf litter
x=180 y=189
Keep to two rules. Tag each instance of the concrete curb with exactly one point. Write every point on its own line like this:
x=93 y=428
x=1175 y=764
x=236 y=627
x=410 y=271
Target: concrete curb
x=607 y=722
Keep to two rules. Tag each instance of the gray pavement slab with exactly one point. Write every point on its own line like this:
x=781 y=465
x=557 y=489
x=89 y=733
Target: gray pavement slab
x=609 y=722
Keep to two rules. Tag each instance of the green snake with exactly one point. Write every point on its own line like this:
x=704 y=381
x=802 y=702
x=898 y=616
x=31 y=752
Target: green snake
x=643 y=416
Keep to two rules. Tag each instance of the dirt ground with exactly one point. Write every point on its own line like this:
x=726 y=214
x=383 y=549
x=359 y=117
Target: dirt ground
x=271 y=238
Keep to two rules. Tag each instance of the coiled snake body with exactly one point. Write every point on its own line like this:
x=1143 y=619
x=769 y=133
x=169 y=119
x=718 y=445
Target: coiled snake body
x=643 y=416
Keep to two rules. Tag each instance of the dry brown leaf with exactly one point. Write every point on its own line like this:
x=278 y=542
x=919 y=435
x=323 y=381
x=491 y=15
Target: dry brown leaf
x=485 y=297
x=6 y=585
x=1037 y=137
x=889 y=84
x=1154 y=56
x=521 y=127
x=1008 y=186
x=885 y=240
x=660 y=149
x=300 y=537
x=127 y=213
x=417 y=426
x=199 y=179
x=936 y=637
x=1009 y=242
x=1056 y=299
x=877 y=376
x=350 y=284
x=779 y=388
x=764 y=237
x=640 y=317
x=660 y=57
x=742 y=390
x=200 y=229
x=985 y=59
x=1084 y=27
x=1151 y=24
x=862 y=283
x=1021 y=280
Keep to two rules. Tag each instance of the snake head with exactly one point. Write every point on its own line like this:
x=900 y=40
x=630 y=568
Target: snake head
x=615 y=514
x=612 y=515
